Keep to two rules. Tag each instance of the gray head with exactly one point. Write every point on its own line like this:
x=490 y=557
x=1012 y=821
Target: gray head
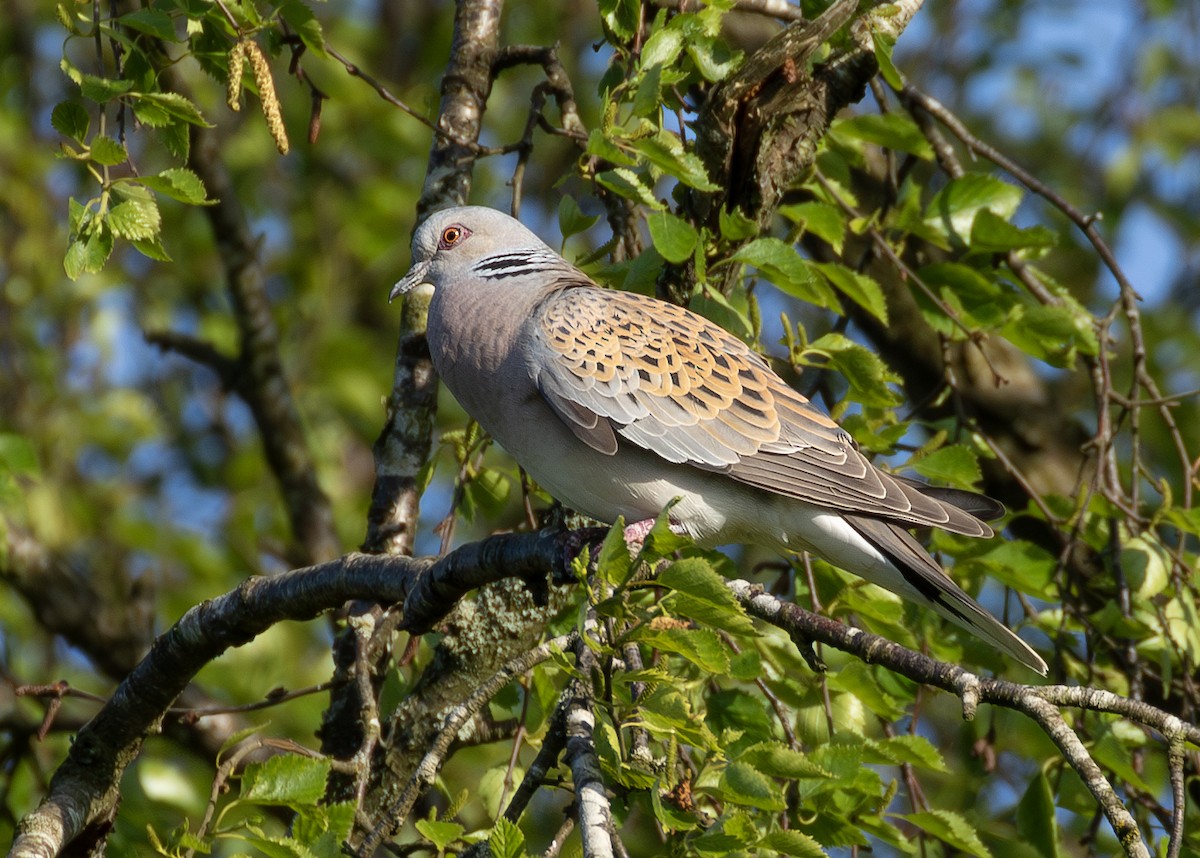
x=451 y=242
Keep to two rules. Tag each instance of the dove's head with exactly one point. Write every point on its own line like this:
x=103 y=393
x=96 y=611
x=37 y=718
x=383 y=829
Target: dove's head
x=451 y=242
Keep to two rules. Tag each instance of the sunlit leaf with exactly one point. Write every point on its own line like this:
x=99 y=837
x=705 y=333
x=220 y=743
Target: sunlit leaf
x=951 y=828
x=743 y=784
x=673 y=237
x=954 y=207
x=953 y=464
x=890 y=130
x=286 y=779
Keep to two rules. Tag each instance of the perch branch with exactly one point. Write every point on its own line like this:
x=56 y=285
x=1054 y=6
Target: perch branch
x=1040 y=703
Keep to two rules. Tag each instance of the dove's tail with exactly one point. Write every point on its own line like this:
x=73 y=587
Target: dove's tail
x=935 y=588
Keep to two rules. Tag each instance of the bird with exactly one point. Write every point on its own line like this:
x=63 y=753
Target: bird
x=620 y=405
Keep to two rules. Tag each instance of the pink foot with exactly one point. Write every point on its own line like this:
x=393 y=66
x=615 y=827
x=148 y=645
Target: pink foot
x=636 y=533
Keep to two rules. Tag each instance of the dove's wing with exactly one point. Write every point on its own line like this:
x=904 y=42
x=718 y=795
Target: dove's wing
x=616 y=365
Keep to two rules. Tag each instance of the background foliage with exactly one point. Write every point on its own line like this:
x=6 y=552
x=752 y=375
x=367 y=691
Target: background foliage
x=956 y=322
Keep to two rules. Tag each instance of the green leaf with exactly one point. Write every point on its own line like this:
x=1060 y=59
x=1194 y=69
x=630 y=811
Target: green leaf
x=108 y=152
x=859 y=288
x=137 y=219
x=175 y=137
x=506 y=840
x=950 y=828
x=744 y=714
x=700 y=593
x=1018 y=564
x=304 y=23
x=889 y=130
x=780 y=761
x=571 y=219
x=440 y=834
x=954 y=464
x=237 y=737
x=316 y=825
x=1053 y=333
x=628 y=184
x=700 y=646
x=488 y=491
x=867 y=374
x=718 y=843
x=102 y=90
x=981 y=302
x=1146 y=565
x=661 y=540
x=913 y=750
x=993 y=234
x=614 y=562
x=954 y=207
x=862 y=683
x=153 y=22
x=1187 y=520
x=602 y=147
x=743 y=784
x=1112 y=753
x=746 y=665
x=662 y=48
x=273 y=846
x=665 y=151
x=180 y=184
x=670 y=816
x=665 y=712
x=734 y=225
x=151 y=248
x=673 y=237
x=70 y=119
x=742 y=825
x=17 y=455
x=87 y=254
x=287 y=779
x=793 y=843
x=622 y=17
x=166 y=106
x=884 y=43
x=1037 y=819
x=823 y=220
x=647 y=101
x=779 y=262
x=713 y=57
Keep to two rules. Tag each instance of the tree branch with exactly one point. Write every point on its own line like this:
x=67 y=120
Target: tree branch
x=591 y=798
x=1040 y=703
x=403 y=447
x=84 y=791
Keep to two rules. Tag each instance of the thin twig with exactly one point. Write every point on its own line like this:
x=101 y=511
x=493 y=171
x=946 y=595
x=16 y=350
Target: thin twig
x=591 y=798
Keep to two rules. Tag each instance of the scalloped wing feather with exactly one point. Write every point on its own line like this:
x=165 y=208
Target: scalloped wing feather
x=670 y=381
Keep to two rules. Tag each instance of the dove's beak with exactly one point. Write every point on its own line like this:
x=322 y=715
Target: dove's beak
x=414 y=278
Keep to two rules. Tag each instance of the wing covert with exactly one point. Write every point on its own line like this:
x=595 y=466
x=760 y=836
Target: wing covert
x=673 y=383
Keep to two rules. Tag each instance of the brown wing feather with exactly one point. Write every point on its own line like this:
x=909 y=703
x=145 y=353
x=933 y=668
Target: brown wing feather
x=674 y=383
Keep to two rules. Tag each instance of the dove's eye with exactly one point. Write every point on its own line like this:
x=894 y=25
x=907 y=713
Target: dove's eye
x=453 y=235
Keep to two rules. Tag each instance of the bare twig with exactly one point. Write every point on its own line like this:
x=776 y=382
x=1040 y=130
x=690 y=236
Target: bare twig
x=545 y=760
x=591 y=798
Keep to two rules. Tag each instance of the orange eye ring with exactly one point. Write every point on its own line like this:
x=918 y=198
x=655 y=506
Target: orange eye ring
x=452 y=235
